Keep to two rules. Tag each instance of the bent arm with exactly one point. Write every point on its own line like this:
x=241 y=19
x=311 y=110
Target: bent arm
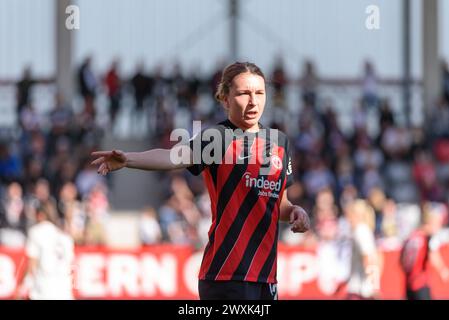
x=293 y=214
x=286 y=208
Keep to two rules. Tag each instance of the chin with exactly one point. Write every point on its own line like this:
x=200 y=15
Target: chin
x=250 y=122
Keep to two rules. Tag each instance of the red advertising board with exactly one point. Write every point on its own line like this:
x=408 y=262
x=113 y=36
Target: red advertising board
x=170 y=272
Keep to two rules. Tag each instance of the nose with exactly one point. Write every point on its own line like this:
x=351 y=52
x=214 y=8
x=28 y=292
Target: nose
x=253 y=98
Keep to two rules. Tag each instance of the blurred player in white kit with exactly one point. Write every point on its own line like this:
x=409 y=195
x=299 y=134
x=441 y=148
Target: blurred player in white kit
x=50 y=254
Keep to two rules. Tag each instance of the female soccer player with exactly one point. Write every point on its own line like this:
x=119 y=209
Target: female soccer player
x=246 y=168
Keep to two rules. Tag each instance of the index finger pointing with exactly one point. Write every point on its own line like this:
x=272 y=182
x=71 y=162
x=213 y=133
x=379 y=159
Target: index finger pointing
x=101 y=153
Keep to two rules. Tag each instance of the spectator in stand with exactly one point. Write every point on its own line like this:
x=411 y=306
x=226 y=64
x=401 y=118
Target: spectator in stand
x=386 y=117
x=42 y=197
x=139 y=82
x=180 y=86
x=364 y=279
x=370 y=87
x=66 y=173
x=439 y=118
x=113 y=88
x=168 y=214
x=204 y=206
x=371 y=178
x=325 y=204
x=97 y=212
x=309 y=83
x=296 y=192
x=325 y=211
x=87 y=178
x=73 y=212
x=425 y=176
x=61 y=123
x=359 y=117
x=185 y=197
x=10 y=164
x=179 y=216
x=347 y=196
x=216 y=113
x=331 y=260
x=149 y=230
x=143 y=87
x=368 y=160
x=344 y=174
x=30 y=120
x=419 y=139
x=334 y=138
x=13 y=221
x=48 y=148
x=279 y=81
x=317 y=177
x=175 y=227
x=34 y=170
x=178 y=233
x=389 y=235
x=377 y=200
x=422 y=246
x=396 y=143
x=87 y=83
x=34 y=145
x=195 y=86
x=310 y=137
x=215 y=79
x=59 y=158
x=24 y=87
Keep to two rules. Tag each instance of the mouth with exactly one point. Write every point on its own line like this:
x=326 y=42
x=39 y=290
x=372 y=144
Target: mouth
x=251 y=114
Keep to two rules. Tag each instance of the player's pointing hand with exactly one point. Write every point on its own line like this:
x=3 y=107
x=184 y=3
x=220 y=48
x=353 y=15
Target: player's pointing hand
x=108 y=161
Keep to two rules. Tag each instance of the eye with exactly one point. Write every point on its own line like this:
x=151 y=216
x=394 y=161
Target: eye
x=260 y=92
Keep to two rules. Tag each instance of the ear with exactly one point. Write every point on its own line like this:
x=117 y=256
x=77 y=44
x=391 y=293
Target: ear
x=225 y=103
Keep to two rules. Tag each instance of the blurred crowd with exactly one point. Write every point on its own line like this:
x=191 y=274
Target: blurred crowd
x=397 y=170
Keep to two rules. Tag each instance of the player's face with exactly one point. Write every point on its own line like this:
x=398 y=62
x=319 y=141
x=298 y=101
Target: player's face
x=246 y=101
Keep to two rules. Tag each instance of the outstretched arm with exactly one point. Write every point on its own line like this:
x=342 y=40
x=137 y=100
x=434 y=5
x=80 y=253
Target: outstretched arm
x=156 y=159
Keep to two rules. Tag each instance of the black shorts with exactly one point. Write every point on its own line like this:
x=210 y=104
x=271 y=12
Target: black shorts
x=236 y=290
x=420 y=294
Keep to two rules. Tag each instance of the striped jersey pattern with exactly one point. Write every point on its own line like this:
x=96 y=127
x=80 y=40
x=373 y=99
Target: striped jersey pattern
x=414 y=256
x=245 y=200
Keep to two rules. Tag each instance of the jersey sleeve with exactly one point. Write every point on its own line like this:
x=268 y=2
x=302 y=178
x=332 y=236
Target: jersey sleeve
x=204 y=146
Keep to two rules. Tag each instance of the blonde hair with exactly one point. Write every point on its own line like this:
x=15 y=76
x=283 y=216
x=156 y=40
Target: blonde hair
x=230 y=72
x=365 y=213
x=431 y=210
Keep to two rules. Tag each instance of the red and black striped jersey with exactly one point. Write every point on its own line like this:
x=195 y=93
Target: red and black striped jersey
x=246 y=179
x=414 y=256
